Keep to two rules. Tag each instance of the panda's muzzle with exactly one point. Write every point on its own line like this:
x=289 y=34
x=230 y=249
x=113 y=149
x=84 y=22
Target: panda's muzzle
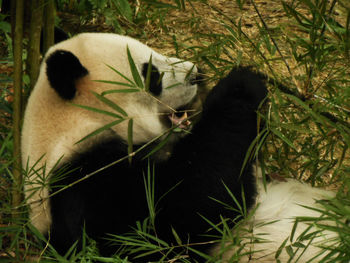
x=180 y=119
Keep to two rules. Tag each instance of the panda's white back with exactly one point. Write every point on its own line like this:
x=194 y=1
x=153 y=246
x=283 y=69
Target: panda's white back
x=273 y=221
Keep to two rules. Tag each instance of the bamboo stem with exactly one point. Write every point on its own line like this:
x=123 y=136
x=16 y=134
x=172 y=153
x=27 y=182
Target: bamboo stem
x=33 y=60
x=49 y=25
x=17 y=83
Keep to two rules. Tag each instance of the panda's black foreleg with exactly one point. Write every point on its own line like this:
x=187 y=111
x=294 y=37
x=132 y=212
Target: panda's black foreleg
x=109 y=202
x=210 y=159
x=67 y=220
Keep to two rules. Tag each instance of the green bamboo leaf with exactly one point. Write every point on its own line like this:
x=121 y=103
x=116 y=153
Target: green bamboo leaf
x=135 y=73
x=158 y=146
x=155 y=239
x=124 y=9
x=280 y=249
x=293 y=127
x=306 y=107
x=301 y=19
x=160 y=78
x=283 y=137
x=210 y=223
x=177 y=238
x=119 y=91
x=203 y=255
x=148 y=75
x=250 y=154
x=290 y=251
x=231 y=31
x=174 y=85
x=99 y=130
x=98 y=110
x=298 y=245
x=211 y=65
x=130 y=139
x=110 y=103
x=188 y=74
x=116 y=83
x=234 y=199
x=122 y=75
x=158 y=4
x=292 y=233
x=149 y=189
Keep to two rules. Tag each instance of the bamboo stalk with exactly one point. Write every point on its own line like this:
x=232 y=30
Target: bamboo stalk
x=17 y=83
x=33 y=59
x=49 y=25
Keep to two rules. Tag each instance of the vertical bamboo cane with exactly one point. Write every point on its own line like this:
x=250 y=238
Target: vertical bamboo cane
x=17 y=82
x=33 y=60
x=49 y=25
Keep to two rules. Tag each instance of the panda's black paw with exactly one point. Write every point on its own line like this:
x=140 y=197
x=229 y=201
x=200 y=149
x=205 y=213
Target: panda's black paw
x=241 y=88
x=241 y=85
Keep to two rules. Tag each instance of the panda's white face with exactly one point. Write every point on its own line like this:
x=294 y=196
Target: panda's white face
x=172 y=87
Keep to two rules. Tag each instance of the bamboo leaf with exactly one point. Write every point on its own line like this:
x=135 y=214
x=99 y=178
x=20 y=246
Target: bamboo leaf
x=99 y=130
x=250 y=153
x=280 y=249
x=148 y=74
x=119 y=91
x=177 y=238
x=156 y=239
x=290 y=251
x=135 y=73
x=234 y=199
x=116 y=83
x=98 y=111
x=174 y=85
x=283 y=137
x=122 y=75
x=306 y=107
x=158 y=146
x=124 y=9
x=130 y=139
x=110 y=103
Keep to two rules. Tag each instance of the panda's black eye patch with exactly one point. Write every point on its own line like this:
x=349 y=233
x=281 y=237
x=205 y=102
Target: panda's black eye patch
x=155 y=84
x=197 y=78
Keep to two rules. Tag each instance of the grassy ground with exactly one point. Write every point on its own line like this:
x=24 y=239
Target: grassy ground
x=303 y=44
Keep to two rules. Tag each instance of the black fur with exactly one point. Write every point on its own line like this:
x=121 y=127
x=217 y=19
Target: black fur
x=202 y=162
x=59 y=36
x=155 y=85
x=198 y=78
x=63 y=69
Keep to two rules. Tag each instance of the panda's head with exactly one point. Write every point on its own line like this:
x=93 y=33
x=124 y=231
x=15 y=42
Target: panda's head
x=76 y=71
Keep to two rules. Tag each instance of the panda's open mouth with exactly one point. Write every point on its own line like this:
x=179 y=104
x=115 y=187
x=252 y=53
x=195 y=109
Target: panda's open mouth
x=180 y=119
x=183 y=117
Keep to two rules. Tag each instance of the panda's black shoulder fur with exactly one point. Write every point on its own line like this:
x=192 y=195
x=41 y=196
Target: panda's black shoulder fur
x=201 y=166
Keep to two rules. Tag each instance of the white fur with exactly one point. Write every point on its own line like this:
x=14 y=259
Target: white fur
x=273 y=222
x=52 y=125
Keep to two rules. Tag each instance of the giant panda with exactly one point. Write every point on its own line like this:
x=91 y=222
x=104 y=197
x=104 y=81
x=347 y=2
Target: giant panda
x=198 y=175
x=198 y=169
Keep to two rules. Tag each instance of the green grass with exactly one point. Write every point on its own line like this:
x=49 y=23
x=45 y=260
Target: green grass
x=307 y=131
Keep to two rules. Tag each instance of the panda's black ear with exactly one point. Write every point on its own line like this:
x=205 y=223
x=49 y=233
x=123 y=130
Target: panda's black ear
x=155 y=85
x=63 y=69
x=59 y=36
